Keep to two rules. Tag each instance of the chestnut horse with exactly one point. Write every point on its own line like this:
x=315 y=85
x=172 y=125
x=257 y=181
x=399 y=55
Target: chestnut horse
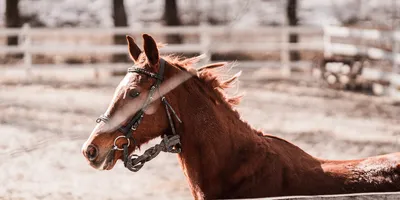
x=221 y=155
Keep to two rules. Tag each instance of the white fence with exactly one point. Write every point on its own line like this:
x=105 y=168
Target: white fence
x=207 y=44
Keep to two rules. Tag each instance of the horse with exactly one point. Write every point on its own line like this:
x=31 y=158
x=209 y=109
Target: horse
x=221 y=155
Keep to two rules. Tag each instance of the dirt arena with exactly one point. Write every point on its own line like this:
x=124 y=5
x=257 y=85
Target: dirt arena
x=43 y=127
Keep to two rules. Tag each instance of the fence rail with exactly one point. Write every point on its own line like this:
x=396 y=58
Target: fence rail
x=208 y=44
x=185 y=30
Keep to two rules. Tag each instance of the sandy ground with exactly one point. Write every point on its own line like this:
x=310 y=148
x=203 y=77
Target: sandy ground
x=43 y=128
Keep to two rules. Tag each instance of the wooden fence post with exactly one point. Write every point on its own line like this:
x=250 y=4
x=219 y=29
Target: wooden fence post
x=327 y=42
x=285 y=61
x=394 y=88
x=205 y=41
x=396 y=51
x=26 y=41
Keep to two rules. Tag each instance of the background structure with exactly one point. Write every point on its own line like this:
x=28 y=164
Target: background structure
x=60 y=61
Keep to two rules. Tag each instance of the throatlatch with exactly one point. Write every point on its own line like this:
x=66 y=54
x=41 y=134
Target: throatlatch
x=169 y=143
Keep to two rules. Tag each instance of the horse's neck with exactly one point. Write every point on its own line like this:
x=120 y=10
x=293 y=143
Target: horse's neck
x=221 y=154
x=219 y=149
x=212 y=134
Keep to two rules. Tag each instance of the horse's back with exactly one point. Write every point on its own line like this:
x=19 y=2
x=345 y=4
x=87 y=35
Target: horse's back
x=373 y=174
x=380 y=169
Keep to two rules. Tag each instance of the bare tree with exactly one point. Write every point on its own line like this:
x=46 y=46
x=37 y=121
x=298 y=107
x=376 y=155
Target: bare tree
x=120 y=20
x=171 y=18
x=13 y=20
x=291 y=14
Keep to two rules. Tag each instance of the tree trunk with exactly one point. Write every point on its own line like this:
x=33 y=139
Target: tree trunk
x=13 y=20
x=171 y=18
x=120 y=20
x=291 y=14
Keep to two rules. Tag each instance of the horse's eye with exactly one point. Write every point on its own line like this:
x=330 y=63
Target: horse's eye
x=134 y=93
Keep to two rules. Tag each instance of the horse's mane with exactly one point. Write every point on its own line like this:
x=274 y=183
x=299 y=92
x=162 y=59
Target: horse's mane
x=213 y=75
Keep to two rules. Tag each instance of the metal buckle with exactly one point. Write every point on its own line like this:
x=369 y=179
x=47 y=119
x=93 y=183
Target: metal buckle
x=116 y=139
x=103 y=118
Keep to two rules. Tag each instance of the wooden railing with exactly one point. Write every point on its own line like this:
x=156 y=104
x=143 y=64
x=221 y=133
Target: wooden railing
x=207 y=44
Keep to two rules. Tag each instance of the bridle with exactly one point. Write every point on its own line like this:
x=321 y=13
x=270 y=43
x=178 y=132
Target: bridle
x=169 y=143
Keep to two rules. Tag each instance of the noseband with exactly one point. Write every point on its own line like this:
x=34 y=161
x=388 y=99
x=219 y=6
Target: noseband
x=169 y=143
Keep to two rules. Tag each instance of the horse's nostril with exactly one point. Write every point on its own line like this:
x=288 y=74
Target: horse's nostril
x=92 y=152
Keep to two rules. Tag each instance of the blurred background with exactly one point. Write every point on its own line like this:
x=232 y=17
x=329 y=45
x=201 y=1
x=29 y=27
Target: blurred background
x=321 y=74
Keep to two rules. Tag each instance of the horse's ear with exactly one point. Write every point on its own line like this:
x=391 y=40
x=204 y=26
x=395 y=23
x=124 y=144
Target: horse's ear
x=150 y=49
x=134 y=50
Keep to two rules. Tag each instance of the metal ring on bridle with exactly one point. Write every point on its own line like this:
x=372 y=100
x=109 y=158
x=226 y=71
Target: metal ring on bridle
x=116 y=139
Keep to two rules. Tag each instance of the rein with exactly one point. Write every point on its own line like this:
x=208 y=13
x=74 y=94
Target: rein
x=169 y=143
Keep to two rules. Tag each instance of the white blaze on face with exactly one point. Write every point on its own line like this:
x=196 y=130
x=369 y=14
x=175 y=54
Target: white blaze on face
x=125 y=81
x=116 y=121
x=121 y=115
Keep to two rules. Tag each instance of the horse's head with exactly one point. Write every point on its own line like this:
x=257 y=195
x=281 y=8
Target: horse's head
x=137 y=96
